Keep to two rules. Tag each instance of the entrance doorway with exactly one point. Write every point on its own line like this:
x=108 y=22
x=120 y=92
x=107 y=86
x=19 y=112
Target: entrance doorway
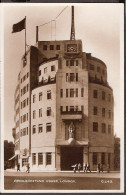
x=70 y=156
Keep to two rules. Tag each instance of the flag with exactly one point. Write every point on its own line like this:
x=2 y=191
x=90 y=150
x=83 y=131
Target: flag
x=19 y=26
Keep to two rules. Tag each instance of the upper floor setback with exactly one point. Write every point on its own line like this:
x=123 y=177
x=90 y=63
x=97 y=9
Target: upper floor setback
x=51 y=48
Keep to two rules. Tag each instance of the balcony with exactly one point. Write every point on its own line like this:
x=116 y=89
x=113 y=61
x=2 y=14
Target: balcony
x=71 y=115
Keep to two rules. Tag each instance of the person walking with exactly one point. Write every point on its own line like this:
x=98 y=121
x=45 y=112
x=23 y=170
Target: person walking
x=98 y=167
x=79 y=167
x=28 y=168
x=75 y=168
x=85 y=167
x=18 y=167
x=88 y=167
x=108 y=168
x=101 y=167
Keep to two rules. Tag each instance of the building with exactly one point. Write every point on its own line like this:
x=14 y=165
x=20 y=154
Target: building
x=63 y=107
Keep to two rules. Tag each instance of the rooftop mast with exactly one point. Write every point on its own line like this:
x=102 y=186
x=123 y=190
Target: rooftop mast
x=72 y=36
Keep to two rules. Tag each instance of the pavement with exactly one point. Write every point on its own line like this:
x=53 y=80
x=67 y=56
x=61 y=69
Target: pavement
x=112 y=174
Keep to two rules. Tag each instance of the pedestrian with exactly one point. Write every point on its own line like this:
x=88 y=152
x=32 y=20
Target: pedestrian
x=88 y=167
x=28 y=168
x=98 y=167
x=101 y=167
x=79 y=167
x=18 y=167
x=75 y=168
x=108 y=168
x=85 y=167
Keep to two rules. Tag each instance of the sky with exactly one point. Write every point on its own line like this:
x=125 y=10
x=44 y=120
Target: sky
x=97 y=25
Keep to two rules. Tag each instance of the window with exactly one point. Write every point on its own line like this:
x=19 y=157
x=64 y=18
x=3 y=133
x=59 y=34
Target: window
x=71 y=108
x=27 y=74
x=95 y=126
x=27 y=130
x=76 y=62
x=33 y=98
x=21 y=105
x=49 y=111
x=49 y=94
x=103 y=112
x=76 y=92
x=34 y=114
x=66 y=92
x=91 y=67
x=57 y=47
x=53 y=68
x=95 y=93
x=103 y=127
x=24 y=117
x=67 y=63
x=51 y=47
x=94 y=158
x=61 y=109
x=44 y=47
x=40 y=96
x=109 y=157
x=48 y=158
x=40 y=158
x=71 y=92
x=67 y=77
x=76 y=108
x=24 y=62
x=21 y=132
x=66 y=108
x=76 y=76
x=103 y=72
x=48 y=127
x=109 y=114
x=103 y=158
x=71 y=76
x=98 y=69
x=27 y=116
x=71 y=62
x=109 y=129
x=61 y=93
x=45 y=70
x=40 y=128
x=95 y=111
x=33 y=158
x=109 y=97
x=103 y=95
x=33 y=129
x=40 y=112
x=82 y=92
x=39 y=72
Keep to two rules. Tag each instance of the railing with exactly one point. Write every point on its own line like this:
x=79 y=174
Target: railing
x=47 y=82
x=98 y=81
x=71 y=112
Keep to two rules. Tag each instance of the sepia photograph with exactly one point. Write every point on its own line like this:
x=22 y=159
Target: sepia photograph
x=62 y=97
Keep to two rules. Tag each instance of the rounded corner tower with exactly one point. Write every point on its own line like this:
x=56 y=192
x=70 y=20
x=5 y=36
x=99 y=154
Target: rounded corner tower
x=63 y=108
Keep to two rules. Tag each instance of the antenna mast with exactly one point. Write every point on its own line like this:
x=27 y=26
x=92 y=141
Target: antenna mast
x=72 y=36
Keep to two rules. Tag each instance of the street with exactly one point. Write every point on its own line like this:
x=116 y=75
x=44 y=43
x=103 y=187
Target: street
x=61 y=181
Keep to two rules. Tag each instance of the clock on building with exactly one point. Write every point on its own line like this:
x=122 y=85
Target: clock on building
x=72 y=48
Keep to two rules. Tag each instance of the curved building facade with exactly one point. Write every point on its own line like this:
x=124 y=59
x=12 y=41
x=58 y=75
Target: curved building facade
x=63 y=108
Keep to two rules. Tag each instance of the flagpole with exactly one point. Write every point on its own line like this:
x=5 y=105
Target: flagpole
x=25 y=36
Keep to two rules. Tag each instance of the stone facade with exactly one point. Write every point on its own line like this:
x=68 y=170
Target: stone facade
x=65 y=108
